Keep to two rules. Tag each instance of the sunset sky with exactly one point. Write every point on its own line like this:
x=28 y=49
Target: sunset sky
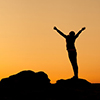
x=28 y=41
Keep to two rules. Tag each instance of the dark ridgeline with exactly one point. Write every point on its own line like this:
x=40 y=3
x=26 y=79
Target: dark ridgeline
x=28 y=85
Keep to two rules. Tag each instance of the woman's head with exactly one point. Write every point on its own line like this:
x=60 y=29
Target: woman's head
x=72 y=33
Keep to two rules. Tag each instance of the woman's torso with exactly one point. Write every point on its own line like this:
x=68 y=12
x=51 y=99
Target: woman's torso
x=70 y=42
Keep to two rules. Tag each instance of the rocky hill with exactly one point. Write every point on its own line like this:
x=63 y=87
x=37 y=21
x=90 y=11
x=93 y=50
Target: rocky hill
x=30 y=85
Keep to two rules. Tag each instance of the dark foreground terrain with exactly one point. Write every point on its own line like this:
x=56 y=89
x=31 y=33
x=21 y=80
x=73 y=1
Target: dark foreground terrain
x=28 y=85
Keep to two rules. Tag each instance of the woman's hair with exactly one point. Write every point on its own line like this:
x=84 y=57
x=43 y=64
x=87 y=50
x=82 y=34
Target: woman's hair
x=72 y=33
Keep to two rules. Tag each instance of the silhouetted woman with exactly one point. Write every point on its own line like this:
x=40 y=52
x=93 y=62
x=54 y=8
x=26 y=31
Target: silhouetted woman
x=70 y=44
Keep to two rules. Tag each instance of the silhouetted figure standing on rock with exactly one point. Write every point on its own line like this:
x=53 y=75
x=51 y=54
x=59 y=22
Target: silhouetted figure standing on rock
x=70 y=41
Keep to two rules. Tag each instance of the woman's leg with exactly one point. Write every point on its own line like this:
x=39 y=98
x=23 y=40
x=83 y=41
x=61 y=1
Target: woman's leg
x=73 y=59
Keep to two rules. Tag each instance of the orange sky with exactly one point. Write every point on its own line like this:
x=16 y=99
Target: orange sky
x=28 y=41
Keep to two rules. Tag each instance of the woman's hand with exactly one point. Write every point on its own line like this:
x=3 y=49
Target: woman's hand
x=83 y=28
x=55 y=28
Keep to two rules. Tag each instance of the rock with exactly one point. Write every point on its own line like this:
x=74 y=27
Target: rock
x=26 y=79
x=73 y=83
